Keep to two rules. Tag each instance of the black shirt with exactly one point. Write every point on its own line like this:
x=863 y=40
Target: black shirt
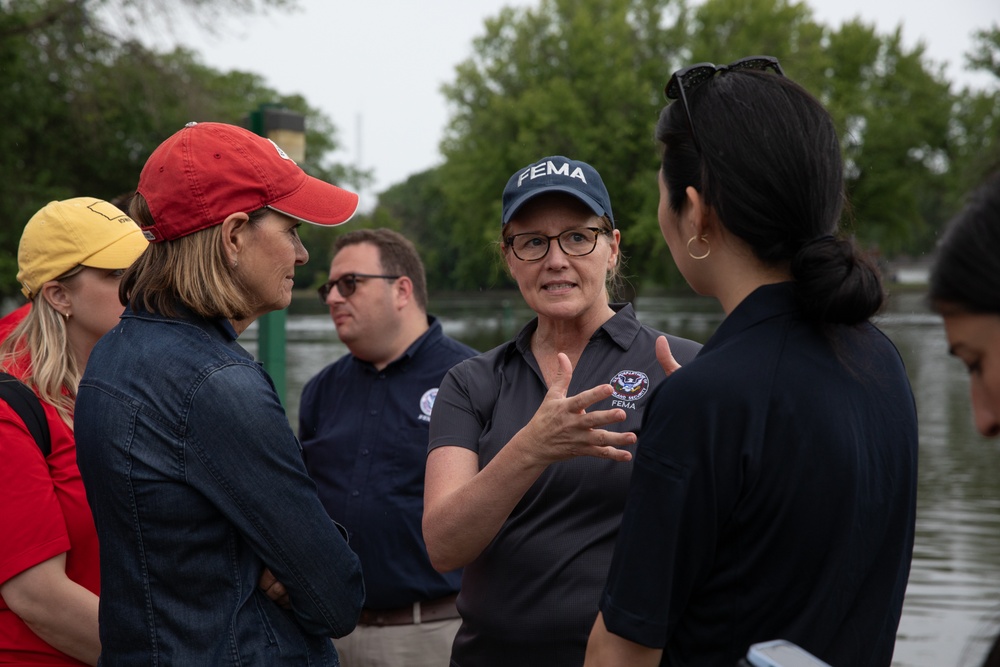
x=364 y=439
x=773 y=495
x=531 y=597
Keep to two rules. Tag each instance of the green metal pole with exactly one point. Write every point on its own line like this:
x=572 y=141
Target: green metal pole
x=271 y=336
x=271 y=348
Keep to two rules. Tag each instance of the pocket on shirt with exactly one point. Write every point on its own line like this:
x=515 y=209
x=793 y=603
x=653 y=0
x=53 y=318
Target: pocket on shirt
x=407 y=457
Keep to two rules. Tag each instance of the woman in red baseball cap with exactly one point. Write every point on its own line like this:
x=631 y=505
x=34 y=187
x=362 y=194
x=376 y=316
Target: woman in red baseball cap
x=70 y=260
x=195 y=477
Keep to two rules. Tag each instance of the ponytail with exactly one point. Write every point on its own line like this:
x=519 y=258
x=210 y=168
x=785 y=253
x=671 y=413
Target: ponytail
x=835 y=283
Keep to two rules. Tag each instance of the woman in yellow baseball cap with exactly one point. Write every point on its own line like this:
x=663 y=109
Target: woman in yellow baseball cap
x=71 y=258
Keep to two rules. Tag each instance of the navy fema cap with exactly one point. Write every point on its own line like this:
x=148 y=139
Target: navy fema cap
x=556 y=174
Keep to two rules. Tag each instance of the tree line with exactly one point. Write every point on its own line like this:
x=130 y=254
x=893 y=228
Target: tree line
x=582 y=78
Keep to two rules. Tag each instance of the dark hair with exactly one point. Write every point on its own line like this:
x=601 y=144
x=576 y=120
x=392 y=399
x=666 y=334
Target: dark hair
x=770 y=167
x=966 y=271
x=397 y=255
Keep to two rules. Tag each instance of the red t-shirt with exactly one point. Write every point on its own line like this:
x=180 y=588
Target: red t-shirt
x=43 y=513
x=12 y=319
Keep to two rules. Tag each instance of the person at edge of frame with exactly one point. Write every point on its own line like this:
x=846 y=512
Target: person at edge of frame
x=71 y=258
x=964 y=288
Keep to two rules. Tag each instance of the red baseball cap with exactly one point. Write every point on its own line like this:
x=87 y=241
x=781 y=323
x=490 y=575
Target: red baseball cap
x=207 y=171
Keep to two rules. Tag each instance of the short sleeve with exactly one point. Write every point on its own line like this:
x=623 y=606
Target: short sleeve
x=31 y=519
x=456 y=421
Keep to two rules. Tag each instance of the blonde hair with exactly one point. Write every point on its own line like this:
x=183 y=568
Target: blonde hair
x=38 y=350
x=192 y=271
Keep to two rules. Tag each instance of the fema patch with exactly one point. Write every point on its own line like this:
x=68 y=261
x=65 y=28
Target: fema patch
x=427 y=402
x=629 y=385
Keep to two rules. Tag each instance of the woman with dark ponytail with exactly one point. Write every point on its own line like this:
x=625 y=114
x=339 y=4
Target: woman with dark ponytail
x=774 y=489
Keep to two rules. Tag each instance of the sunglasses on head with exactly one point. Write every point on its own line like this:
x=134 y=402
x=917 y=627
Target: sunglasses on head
x=690 y=77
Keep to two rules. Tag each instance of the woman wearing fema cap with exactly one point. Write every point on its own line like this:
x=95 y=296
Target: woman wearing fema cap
x=70 y=260
x=194 y=475
x=531 y=443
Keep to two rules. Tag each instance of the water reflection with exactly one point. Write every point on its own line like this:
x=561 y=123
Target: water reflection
x=952 y=606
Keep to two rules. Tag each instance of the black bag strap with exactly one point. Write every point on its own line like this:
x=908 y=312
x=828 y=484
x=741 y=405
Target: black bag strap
x=27 y=406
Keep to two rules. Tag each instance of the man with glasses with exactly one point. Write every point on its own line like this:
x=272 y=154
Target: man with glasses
x=363 y=423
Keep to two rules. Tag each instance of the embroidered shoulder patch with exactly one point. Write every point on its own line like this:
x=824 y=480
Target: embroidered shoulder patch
x=427 y=401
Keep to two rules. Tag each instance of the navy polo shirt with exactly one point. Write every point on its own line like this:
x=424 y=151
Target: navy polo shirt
x=773 y=495
x=364 y=436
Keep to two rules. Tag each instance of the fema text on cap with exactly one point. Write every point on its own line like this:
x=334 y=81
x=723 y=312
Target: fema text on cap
x=539 y=170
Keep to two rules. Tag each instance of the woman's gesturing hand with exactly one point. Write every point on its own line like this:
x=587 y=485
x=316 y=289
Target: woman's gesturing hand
x=562 y=428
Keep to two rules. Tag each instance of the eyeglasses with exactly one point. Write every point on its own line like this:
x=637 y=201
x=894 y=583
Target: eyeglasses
x=694 y=75
x=530 y=247
x=346 y=284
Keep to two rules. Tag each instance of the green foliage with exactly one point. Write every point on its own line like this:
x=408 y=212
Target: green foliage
x=86 y=104
x=85 y=108
x=722 y=31
x=893 y=112
x=568 y=78
x=985 y=54
x=418 y=207
x=977 y=115
x=585 y=79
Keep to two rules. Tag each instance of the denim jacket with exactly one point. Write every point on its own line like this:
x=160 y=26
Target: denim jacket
x=197 y=484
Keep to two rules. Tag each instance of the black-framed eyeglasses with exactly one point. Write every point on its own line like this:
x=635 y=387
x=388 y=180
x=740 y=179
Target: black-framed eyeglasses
x=531 y=247
x=690 y=77
x=347 y=284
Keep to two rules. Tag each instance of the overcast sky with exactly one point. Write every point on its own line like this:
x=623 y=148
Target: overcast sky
x=375 y=67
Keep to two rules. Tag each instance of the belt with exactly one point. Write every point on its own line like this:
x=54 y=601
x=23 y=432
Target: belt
x=420 y=612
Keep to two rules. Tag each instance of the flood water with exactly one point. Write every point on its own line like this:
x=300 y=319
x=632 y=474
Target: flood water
x=952 y=606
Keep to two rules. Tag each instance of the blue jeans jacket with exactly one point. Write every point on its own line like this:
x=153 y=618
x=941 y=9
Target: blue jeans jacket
x=197 y=484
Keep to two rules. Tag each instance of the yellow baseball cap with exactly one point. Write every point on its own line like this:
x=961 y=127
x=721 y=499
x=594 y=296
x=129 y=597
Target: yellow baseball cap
x=65 y=234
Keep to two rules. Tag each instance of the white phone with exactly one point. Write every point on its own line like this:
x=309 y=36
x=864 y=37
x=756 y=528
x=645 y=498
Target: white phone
x=782 y=653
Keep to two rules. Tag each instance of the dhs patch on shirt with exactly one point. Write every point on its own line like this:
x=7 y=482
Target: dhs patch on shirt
x=627 y=387
x=427 y=404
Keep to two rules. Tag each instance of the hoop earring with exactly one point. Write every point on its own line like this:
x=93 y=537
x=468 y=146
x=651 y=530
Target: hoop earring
x=702 y=239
